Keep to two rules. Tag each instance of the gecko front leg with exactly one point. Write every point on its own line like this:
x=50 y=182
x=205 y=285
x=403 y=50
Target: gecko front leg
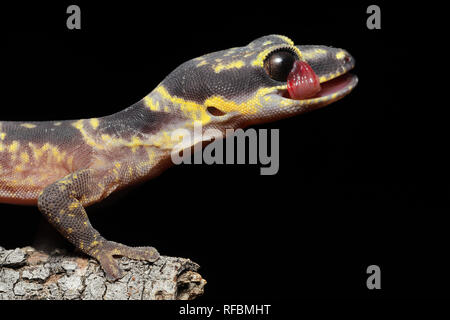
x=62 y=205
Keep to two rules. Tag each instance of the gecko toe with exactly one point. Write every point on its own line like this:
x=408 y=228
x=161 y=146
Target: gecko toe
x=110 y=266
x=143 y=253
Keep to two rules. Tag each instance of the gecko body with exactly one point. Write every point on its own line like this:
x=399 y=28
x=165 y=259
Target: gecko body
x=65 y=166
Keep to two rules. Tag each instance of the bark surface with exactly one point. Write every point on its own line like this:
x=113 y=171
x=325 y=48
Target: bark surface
x=26 y=273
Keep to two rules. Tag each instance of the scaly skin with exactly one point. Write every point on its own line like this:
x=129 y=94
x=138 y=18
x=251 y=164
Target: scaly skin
x=64 y=166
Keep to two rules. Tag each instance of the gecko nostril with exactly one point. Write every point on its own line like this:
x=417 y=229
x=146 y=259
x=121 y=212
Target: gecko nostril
x=215 y=112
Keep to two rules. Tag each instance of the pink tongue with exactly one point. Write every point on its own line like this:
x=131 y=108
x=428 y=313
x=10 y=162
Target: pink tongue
x=302 y=82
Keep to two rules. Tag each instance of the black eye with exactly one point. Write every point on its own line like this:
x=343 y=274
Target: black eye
x=279 y=64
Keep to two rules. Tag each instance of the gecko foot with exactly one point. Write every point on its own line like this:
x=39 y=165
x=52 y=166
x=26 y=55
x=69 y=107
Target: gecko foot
x=111 y=249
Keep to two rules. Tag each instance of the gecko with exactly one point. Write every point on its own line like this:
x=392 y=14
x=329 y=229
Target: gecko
x=64 y=166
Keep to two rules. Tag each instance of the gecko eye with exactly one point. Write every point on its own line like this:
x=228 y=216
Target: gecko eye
x=279 y=63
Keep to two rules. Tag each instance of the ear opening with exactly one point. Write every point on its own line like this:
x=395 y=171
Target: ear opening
x=215 y=112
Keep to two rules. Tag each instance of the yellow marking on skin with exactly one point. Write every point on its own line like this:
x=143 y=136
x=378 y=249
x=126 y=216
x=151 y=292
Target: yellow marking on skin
x=13 y=146
x=69 y=230
x=284 y=103
x=75 y=176
x=116 y=252
x=135 y=143
x=202 y=63
x=320 y=51
x=267 y=42
x=62 y=188
x=28 y=125
x=88 y=139
x=166 y=109
x=78 y=124
x=45 y=147
x=130 y=171
x=154 y=106
x=230 y=52
x=59 y=156
x=251 y=106
x=18 y=168
x=340 y=55
x=81 y=244
x=71 y=215
x=57 y=123
x=85 y=223
x=195 y=111
x=94 y=123
x=24 y=157
x=83 y=198
x=330 y=76
x=313 y=53
x=151 y=156
x=74 y=205
x=234 y=64
x=70 y=162
x=37 y=152
x=164 y=140
x=286 y=39
x=61 y=212
x=117 y=165
x=94 y=243
x=259 y=61
x=2 y=135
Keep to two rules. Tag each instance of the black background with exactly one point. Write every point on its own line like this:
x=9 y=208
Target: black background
x=362 y=181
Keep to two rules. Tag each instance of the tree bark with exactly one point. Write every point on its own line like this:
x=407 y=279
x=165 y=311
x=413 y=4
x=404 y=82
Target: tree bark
x=26 y=273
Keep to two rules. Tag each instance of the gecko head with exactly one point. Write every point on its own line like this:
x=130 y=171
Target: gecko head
x=269 y=79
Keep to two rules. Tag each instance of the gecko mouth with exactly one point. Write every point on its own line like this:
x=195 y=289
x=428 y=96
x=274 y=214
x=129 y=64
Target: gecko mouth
x=340 y=84
x=303 y=83
x=329 y=90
